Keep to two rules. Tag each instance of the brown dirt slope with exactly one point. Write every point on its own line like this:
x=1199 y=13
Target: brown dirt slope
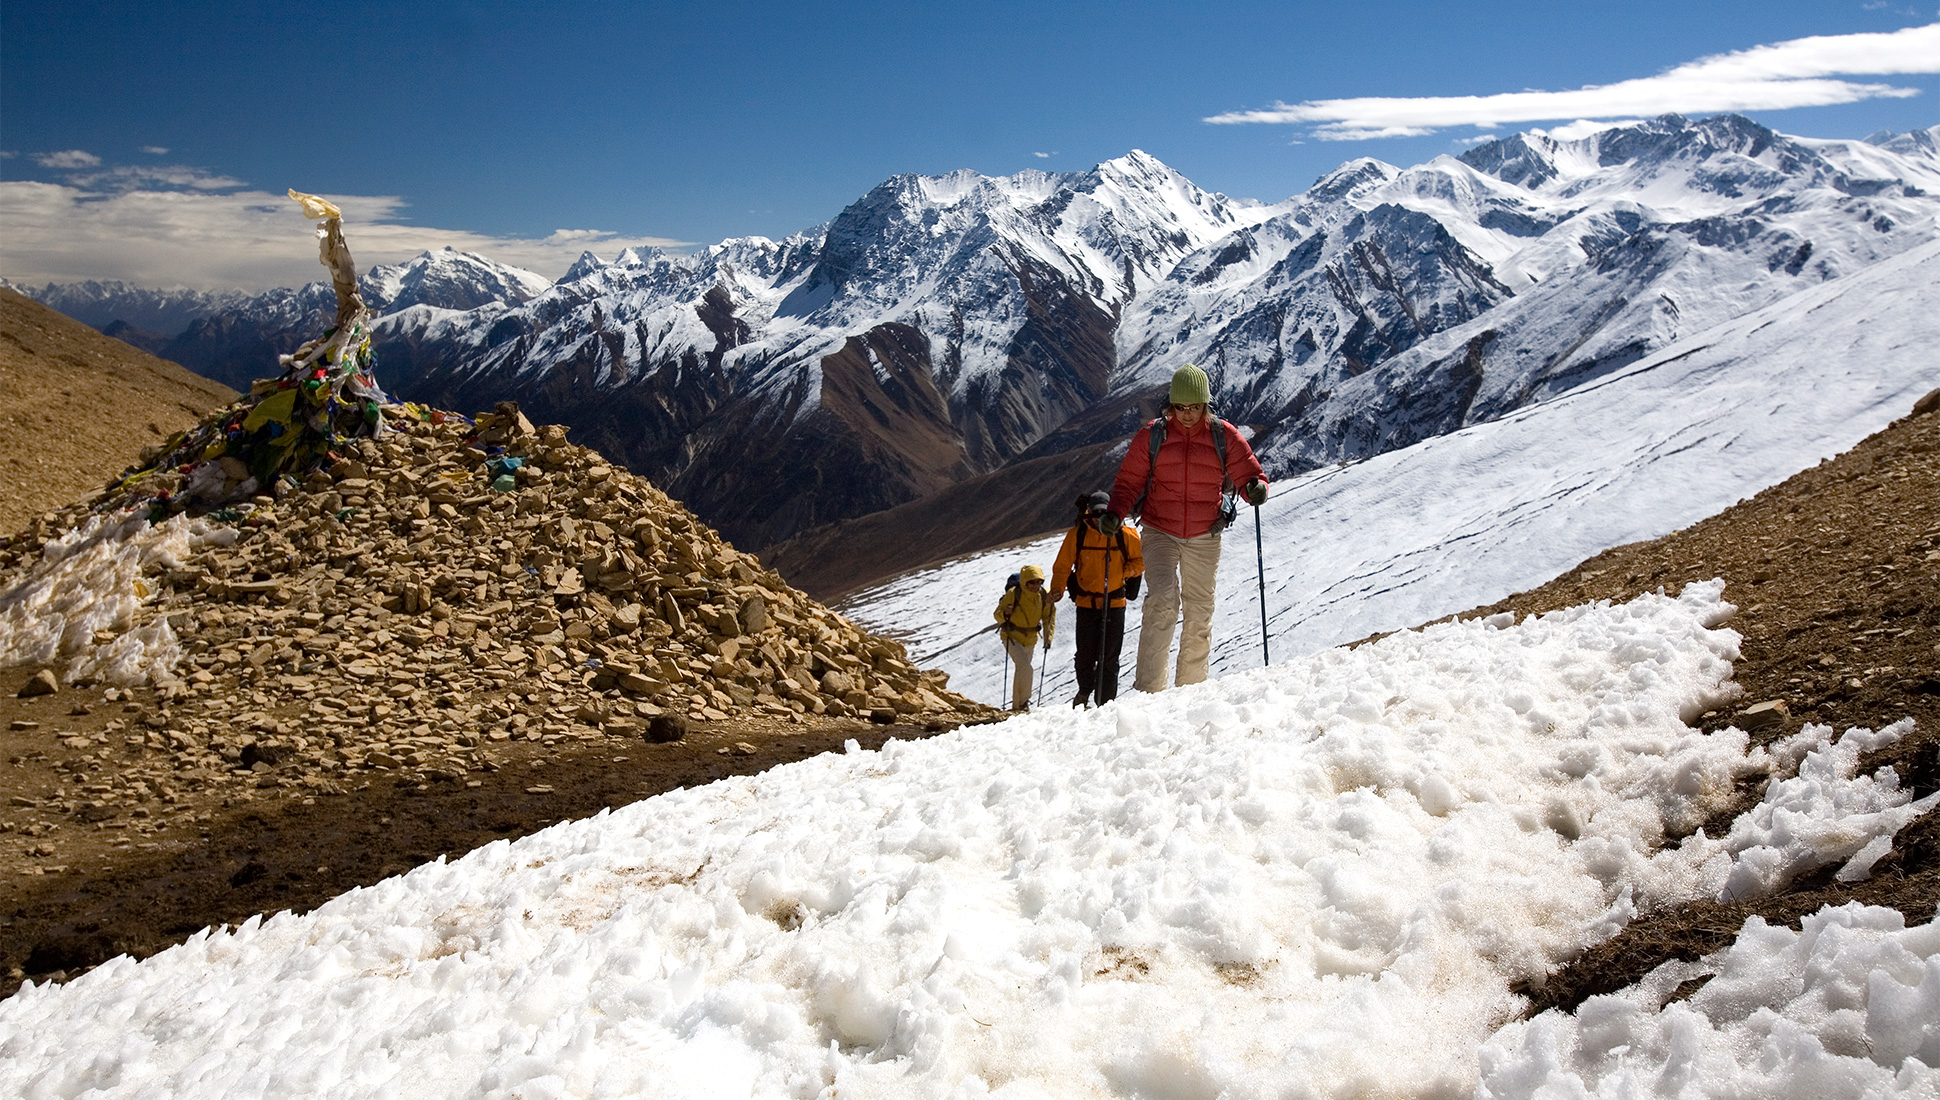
x=1018 y=502
x=1836 y=573
x=77 y=407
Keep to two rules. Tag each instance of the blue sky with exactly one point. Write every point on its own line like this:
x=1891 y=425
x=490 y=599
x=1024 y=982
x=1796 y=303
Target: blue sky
x=131 y=130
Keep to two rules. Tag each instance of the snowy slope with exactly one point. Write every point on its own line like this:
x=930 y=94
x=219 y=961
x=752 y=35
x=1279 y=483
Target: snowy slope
x=1467 y=518
x=1319 y=879
x=1387 y=306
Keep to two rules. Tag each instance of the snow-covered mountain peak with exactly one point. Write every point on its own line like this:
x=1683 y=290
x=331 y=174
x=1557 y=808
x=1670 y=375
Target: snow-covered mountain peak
x=582 y=267
x=1912 y=143
x=1350 y=180
x=449 y=279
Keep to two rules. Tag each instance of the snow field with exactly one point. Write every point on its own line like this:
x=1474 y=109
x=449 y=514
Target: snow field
x=1324 y=876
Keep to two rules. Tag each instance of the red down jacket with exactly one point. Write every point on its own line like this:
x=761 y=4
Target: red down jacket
x=1185 y=495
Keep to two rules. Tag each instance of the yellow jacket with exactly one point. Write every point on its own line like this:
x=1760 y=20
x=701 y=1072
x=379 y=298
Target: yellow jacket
x=1022 y=611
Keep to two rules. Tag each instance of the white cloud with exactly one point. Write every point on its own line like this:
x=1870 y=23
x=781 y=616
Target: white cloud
x=178 y=226
x=156 y=150
x=1584 y=127
x=1045 y=156
x=67 y=158
x=128 y=177
x=1798 y=73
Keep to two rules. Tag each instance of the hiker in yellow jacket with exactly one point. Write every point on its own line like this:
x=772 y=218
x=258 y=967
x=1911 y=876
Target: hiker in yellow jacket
x=1102 y=572
x=1022 y=614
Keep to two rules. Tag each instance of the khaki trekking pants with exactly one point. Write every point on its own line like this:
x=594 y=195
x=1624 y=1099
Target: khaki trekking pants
x=1177 y=571
x=1020 y=675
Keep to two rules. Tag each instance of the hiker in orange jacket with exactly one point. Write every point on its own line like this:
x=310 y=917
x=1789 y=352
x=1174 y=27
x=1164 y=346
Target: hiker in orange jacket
x=1099 y=570
x=1180 y=496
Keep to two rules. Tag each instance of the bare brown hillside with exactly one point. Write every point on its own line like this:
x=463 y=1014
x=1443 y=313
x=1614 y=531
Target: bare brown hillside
x=77 y=407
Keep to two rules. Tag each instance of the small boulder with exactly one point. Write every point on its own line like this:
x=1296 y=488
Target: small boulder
x=259 y=752
x=666 y=728
x=753 y=615
x=43 y=682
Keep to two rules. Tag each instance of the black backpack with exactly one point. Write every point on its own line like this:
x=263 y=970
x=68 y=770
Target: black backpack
x=1228 y=507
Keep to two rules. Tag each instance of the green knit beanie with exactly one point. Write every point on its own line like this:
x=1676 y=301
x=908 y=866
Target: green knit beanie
x=1190 y=387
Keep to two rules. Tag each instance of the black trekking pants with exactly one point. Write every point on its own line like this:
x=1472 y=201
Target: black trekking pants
x=1102 y=689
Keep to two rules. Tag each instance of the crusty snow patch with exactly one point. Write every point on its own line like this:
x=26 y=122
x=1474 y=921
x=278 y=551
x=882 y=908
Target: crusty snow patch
x=1320 y=878
x=90 y=580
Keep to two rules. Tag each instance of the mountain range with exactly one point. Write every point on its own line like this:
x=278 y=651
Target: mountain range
x=941 y=367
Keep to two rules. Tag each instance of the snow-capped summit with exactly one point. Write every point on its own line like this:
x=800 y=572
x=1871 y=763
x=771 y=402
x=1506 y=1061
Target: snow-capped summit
x=936 y=328
x=946 y=328
x=448 y=279
x=1525 y=267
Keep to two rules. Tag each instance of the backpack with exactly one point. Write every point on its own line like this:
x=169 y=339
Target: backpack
x=1228 y=507
x=1013 y=591
x=1113 y=541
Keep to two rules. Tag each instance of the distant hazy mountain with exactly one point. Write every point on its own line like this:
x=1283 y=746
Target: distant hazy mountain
x=235 y=337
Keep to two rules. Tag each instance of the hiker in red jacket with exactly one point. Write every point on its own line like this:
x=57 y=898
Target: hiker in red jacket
x=1179 y=490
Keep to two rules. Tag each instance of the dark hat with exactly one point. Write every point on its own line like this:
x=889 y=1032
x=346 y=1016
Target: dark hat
x=1094 y=502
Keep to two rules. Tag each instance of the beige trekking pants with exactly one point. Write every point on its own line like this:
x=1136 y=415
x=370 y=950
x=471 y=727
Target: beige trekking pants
x=1020 y=675
x=1177 y=571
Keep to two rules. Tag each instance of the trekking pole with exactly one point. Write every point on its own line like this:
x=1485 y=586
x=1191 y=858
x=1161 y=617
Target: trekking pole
x=1259 y=555
x=1003 y=689
x=1041 y=666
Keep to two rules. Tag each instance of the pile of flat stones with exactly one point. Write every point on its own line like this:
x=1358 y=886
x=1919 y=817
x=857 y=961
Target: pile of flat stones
x=425 y=599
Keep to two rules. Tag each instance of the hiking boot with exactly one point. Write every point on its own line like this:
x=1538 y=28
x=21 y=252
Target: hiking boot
x=1083 y=696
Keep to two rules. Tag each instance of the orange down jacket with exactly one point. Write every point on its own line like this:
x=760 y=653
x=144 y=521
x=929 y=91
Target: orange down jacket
x=1092 y=563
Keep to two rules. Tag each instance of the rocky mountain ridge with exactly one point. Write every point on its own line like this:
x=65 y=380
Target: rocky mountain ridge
x=963 y=330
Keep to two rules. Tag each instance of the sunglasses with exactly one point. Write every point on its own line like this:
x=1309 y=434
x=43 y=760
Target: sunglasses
x=1200 y=406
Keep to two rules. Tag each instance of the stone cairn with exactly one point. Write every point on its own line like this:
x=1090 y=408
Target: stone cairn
x=451 y=584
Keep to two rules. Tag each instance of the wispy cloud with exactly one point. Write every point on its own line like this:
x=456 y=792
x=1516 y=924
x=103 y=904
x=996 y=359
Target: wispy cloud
x=176 y=225
x=155 y=150
x=1803 y=72
x=67 y=158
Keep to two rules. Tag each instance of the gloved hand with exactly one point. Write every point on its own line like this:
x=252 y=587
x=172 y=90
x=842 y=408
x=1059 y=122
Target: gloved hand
x=1255 y=492
x=1109 y=522
x=1131 y=587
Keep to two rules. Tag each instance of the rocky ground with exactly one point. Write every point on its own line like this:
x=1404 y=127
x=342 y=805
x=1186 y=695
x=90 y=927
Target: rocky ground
x=462 y=630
